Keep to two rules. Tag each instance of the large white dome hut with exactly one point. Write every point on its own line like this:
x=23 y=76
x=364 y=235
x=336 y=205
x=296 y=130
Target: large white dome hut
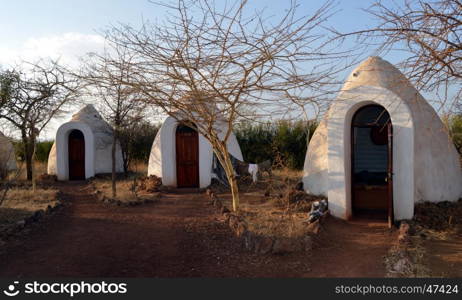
x=381 y=148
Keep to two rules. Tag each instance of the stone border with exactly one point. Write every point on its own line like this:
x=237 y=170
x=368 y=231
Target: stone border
x=35 y=217
x=139 y=200
x=399 y=261
x=262 y=244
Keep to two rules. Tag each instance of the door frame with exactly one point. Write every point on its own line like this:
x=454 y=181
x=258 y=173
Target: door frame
x=389 y=125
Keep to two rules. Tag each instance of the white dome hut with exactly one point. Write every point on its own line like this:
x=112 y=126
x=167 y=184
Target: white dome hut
x=7 y=156
x=83 y=147
x=184 y=158
x=381 y=148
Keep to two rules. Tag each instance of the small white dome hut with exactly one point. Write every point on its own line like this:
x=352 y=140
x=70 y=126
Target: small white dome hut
x=184 y=158
x=7 y=155
x=83 y=147
x=381 y=147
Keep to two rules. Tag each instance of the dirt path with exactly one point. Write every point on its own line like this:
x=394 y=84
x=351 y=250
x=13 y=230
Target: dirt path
x=444 y=256
x=178 y=237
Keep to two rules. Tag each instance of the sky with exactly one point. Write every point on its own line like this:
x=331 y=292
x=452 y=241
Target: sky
x=67 y=29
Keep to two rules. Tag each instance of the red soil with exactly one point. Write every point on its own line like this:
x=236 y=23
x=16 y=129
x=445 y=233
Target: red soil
x=180 y=236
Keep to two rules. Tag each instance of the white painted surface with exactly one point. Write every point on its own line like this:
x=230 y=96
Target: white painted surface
x=7 y=154
x=98 y=145
x=425 y=162
x=162 y=159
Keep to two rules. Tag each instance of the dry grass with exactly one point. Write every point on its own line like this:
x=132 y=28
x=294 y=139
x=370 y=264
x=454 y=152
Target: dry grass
x=20 y=174
x=21 y=202
x=125 y=192
x=139 y=167
x=265 y=205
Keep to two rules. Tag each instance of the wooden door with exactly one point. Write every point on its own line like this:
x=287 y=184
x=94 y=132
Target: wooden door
x=76 y=149
x=187 y=157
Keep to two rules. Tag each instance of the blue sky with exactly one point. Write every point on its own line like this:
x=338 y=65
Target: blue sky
x=30 y=28
x=67 y=29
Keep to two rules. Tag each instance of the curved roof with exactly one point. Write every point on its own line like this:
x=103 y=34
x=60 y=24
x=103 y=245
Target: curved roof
x=375 y=71
x=101 y=129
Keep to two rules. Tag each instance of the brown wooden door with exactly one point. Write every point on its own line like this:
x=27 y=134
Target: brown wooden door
x=76 y=148
x=187 y=157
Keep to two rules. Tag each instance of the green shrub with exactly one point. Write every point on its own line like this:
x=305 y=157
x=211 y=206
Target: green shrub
x=42 y=150
x=284 y=139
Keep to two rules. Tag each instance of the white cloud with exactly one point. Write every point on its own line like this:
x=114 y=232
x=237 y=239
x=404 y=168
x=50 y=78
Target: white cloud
x=67 y=47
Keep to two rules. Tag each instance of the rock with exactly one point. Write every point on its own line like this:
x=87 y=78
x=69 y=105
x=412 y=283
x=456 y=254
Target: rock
x=21 y=223
x=38 y=215
x=264 y=245
x=233 y=222
x=218 y=204
x=299 y=186
x=402 y=265
x=250 y=240
x=314 y=227
x=307 y=243
x=284 y=246
x=47 y=177
x=241 y=228
x=404 y=228
x=404 y=234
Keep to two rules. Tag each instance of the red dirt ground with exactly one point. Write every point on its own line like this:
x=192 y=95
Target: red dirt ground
x=180 y=236
x=444 y=257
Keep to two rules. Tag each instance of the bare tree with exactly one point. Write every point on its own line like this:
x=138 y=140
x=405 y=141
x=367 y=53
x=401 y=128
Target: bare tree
x=210 y=64
x=31 y=96
x=108 y=77
x=428 y=35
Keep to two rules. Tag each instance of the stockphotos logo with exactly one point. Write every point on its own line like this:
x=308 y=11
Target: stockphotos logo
x=70 y=289
x=11 y=290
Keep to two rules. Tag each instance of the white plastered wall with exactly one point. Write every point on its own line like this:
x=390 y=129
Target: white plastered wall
x=339 y=149
x=162 y=159
x=60 y=165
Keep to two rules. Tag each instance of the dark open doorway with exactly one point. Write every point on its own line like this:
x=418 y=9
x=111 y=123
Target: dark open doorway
x=187 y=156
x=76 y=149
x=371 y=163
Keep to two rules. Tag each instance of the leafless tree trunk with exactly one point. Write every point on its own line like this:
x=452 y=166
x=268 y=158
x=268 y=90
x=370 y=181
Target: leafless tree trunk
x=107 y=77
x=33 y=95
x=212 y=63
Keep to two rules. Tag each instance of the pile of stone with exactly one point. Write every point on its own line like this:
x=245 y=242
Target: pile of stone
x=8 y=230
x=399 y=261
x=138 y=200
x=150 y=184
x=47 y=178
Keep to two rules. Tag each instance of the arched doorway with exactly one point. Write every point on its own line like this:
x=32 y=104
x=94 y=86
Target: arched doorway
x=371 y=163
x=76 y=150
x=187 y=156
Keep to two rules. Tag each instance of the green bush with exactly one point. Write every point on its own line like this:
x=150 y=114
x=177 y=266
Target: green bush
x=284 y=139
x=455 y=128
x=42 y=150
